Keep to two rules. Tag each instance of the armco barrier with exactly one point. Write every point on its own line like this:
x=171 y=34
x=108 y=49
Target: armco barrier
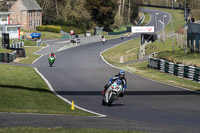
x=184 y=71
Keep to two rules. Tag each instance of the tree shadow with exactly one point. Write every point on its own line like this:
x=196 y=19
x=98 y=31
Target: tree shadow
x=25 y=88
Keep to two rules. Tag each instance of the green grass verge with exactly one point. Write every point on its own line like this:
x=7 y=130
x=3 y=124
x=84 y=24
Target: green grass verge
x=61 y=130
x=23 y=90
x=165 y=52
x=2 y=50
x=123 y=52
x=147 y=18
x=45 y=35
x=30 y=57
x=142 y=69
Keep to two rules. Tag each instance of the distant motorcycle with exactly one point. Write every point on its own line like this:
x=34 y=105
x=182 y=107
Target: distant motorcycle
x=51 y=60
x=112 y=93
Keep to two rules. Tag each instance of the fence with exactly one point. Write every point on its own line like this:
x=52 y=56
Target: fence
x=65 y=35
x=193 y=37
x=184 y=71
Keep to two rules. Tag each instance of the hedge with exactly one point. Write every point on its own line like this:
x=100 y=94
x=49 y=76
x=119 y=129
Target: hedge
x=50 y=28
x=76 y=30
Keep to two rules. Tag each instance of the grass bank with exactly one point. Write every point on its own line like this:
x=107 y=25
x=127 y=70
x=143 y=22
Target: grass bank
x=125 y=52
x=44 y=34
x=30 y=56
x=23 y=90
x=146 y=20
x=61 y=130
x=165 y=52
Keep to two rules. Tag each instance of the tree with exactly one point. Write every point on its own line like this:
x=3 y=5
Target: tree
x=102 y=12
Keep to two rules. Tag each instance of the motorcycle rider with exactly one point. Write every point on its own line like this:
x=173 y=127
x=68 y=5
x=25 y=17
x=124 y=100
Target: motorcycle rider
x=103 y=39
x=119 y=76
x=52 y=54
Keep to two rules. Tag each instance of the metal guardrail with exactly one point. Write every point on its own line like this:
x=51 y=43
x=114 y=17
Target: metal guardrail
x=184 y=71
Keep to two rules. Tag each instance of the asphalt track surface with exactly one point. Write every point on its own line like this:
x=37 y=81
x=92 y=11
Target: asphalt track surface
x=79 y=74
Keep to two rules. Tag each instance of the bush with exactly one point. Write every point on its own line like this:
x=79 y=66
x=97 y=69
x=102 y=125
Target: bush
x=49 y=28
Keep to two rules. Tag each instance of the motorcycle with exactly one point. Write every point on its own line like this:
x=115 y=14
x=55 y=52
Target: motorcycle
x=51 y=60
x=112 y=93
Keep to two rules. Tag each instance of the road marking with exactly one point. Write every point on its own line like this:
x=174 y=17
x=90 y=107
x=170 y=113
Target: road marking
x=66 y=100
x=39 y=54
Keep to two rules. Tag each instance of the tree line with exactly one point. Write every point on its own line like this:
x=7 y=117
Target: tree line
x=89 y=13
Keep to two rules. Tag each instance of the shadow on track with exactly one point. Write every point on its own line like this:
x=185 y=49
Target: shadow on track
x=136 y=93
x=25 y=88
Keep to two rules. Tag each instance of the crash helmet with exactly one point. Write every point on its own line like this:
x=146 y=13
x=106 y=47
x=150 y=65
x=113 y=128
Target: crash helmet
x=122 y=73
x=52 y=53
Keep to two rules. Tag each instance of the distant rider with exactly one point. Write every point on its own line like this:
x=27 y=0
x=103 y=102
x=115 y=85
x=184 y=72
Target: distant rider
x=52 y=54
x=103 y=39
x=120 y=76
x=122 y=36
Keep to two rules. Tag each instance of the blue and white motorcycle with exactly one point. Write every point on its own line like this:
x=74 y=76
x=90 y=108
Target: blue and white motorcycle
x=112 y=93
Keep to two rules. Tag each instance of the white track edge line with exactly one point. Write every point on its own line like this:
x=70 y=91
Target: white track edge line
x=66 y=100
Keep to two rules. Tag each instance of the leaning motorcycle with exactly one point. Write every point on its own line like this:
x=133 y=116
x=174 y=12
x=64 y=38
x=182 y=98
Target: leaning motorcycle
x=51 y=60
x=112 y=93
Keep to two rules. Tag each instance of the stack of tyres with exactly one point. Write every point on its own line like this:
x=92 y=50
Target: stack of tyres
x=197 y=75
x=162 y=65
x=166 y=67
x=176 y=69
x=180 y=70
x=186 y=72
x=6 y=57
x=171 y=68
x=191 y=72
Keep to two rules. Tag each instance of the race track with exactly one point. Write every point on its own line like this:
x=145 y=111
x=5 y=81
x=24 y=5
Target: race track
x=79 y=74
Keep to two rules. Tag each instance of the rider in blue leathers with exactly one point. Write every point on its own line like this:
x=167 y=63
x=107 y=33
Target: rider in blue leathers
x=120 y=80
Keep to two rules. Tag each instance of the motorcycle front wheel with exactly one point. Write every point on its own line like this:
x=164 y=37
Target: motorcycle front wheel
x=111 y=100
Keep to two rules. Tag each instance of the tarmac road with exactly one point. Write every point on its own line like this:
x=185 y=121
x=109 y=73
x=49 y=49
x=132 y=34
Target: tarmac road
x=79 y=74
